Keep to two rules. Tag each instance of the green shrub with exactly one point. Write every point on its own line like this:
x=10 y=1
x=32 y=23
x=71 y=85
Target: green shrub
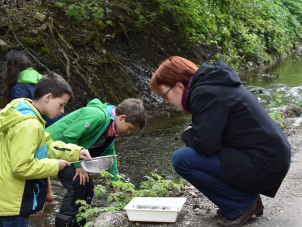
x=155 y=186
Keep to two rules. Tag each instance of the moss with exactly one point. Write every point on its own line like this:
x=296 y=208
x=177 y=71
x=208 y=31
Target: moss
x=76 y=42
x=44 y=50
x=13 y=47
x=113 y=99
x=100 y=25
x=89 y=37
x=40 y=42
x=97 y=47
x=28 y=41
x=56 y=63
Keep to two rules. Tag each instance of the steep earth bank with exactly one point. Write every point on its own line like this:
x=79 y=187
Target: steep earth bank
x=112 y=60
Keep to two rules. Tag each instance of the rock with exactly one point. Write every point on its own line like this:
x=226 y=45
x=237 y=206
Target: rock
x=110 y=219
x=292 y=111
x=3 y=46
x=40 y=17
x=40 y=31
x=33 y=32
x=195 y=206
x=44 y=27
x=193 y=194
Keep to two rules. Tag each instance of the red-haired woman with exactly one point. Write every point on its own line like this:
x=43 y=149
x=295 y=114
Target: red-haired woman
x=234 y=150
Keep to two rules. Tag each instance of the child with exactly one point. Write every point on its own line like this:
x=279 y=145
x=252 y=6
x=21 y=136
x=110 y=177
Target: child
x=95 y=128
x=25 y=147
x=19 y=82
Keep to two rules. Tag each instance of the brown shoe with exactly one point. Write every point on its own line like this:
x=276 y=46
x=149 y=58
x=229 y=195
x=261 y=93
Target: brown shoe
x=256 y=209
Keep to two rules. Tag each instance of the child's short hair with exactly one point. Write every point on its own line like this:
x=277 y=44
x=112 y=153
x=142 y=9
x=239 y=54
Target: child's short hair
x=55 y=84
x=134 y=111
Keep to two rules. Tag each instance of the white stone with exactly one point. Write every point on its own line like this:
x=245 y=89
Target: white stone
x=40 y=17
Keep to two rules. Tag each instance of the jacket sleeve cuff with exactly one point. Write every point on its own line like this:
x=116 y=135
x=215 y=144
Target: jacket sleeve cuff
x=76 y=154
x=76 y=165
x=186 y=135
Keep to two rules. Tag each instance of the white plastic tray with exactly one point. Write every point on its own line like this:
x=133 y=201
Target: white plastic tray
x=154 y=209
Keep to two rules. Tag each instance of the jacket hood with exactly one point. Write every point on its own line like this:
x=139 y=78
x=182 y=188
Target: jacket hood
x=30 y=76
x=16 y=111
x=95 y=103
x=217 y=74
x=105 y=106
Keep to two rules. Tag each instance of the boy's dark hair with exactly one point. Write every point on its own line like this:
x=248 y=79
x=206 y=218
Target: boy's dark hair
x=134 y=111
x=17 y=61
x=55 y=84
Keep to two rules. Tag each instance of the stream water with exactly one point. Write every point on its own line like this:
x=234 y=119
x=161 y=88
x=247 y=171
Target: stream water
x=143 y=152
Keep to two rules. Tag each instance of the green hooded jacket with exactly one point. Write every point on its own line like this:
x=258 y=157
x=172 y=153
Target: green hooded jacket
x=84 y=126
x=30 y=76
x=25 y=149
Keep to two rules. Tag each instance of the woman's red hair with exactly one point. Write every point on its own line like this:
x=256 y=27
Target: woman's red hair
x=172 y=70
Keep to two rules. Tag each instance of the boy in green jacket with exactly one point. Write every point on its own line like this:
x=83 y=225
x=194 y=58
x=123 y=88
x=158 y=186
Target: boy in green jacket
x=25 y=148
x=94 y=127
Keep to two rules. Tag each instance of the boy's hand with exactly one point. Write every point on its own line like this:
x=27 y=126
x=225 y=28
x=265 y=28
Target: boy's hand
x=83 y=175
x=62 y=164
x=114 y=190
x=84 y=154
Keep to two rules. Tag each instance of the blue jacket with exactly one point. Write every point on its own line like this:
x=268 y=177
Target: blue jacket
x=25 y=88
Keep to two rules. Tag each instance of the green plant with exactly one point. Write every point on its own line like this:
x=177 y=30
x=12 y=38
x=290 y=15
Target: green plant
x=276 y=116
x=154 y=186
x=241 y=30
x=176 y=178
x=82 y=10
x=141 y=18
x=278 y=99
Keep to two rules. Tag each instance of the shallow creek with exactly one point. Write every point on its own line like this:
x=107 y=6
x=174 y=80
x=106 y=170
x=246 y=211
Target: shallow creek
x=143 y=152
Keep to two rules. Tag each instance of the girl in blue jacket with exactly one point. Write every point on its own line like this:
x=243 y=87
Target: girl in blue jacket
x=20 y=80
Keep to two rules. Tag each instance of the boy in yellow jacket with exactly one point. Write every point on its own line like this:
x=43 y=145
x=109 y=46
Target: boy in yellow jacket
x=25 y=148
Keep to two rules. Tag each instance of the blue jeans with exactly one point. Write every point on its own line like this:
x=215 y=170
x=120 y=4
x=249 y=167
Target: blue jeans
x=14 y=221
x=206 y=174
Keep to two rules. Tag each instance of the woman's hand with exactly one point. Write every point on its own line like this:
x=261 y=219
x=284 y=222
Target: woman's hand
x=62 y=164
x=188 y=128
x=83 y=175
x=84 y=154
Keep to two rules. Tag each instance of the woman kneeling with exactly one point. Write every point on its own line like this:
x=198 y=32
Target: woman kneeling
x=234 y=150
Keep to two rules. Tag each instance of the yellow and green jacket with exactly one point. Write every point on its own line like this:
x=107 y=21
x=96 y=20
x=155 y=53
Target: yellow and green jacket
x=25 y=149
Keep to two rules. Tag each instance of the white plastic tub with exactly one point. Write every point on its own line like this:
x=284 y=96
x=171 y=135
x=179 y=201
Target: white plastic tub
x=154 y=209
